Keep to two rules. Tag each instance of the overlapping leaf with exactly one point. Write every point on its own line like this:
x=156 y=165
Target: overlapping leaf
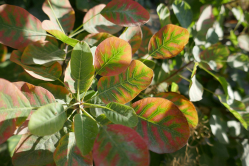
x=42 y=53
x=168 y=42
x=239 y=61
x=133 y=35
x=69 y=82
x=164 y=14
x=118 y=145
x=112 y=56
x=161 y=124
x=67 y=153
x=95 y=23
x=184 y=105
x=18 y=28
x=63 y=11
x=14 y=109
x=3 y=52
x=50 y=73
x=126 y=86
x=126 y=13
x=97 y=38
x=147 y=34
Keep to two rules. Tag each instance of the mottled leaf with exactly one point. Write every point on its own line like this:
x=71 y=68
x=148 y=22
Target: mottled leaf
x=63 y=12
x=147 y=34
x=168 y=42
x=3 y=52
x=133 y=35
x=126 y=13
x=68 y=154
x=164 y=14
x=97 y=38
x=184 y=105
x=161 y=124
x=14 y=109
x=86 y=131
x=95 y=23
x=50 y=73
x=18 y=28
x=118 y=145
x=126 y=86
x=112 y=56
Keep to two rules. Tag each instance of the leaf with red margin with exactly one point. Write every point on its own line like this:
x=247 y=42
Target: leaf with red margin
x=168 y=42
x=118 y=145
x=50 y=27
x=3 y=52
x=14 y=109
x=67 y=153
x=52 y=40
x=97 y=38
x=126 y=13
x=42 y=53
x=50 y=73
x=161 y=124
x=147 y=34
x=68 y=80
x=133 y=35
x=112 y=56
x=184 y=105
x=126 y=86
x=95 y=23
x=18 y=28
x=63 y=11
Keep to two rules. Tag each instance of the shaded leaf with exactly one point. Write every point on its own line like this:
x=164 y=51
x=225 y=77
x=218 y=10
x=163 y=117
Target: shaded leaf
x=118 y=145
x=164 y=14
x=168 y=42
x=103 y=120
x=126 y=86
x=149 y=63
x=52 y=40
x=12 y=143
x=97 y=38
x=161 y=124
x=126 y=13
x=3 y=52
x=146 y=35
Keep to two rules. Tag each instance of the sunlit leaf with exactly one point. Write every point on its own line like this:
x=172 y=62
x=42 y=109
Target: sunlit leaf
x=168 y=42
x=95 y=23
x=18 y=28
x=42 y=53
x=147 y=34
x=184 y=105
x=50 y=73
x=164 y=14
x=86 y=131
x=196 y=53
x=161 y=124
x=12 y=143
x=52 y=40
x=3 y=52
x=126 y=86
x=67 y=153
x=149 y=63
x=212 y=37
x=118 y=145
x=112 y=56
x=97 y=38
x=126 y=13
x=63 y=12
x=244 y=42
x=239 y=62
x=14 y=109
x=196 y=90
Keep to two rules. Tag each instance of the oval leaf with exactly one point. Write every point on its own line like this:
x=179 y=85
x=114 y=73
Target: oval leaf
x=161 y=124
x=97 y=38
x=168 y=42
x=126 y=86
x=67 y=153
x=95 y=23
x=164 y=14
x=184 y=105
x=18 y=28
x=147 y=34
x=118 y=145
x=126 y=13
x=47 y=119
x=112 y=56
x=86 y=131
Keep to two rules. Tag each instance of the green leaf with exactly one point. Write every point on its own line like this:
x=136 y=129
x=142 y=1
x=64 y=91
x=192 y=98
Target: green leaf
x=96 y=38
x=118 y=145
x=95 y=23
x=112 y=56
x=164 y=14
x=183 y=13
x=18 y=28
x=67 y=153
x=63 y=12
x=126 y=13
x=133 y=35
x=174 y=87
x=14 y=109
x=149 y=63
x=121 y=114
x=103 y=120
x=161 y=124
x=50 y=73
x=233 y=38
x=47 y=119
x=168 y=42
x=3 y=52
x=147 y=34
x=42 y=53
x=240 y=61
x=82 y=69
x=244 y=42
x=212 y=37
x=86 y=131
x=126 y=86
x=12 y=143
